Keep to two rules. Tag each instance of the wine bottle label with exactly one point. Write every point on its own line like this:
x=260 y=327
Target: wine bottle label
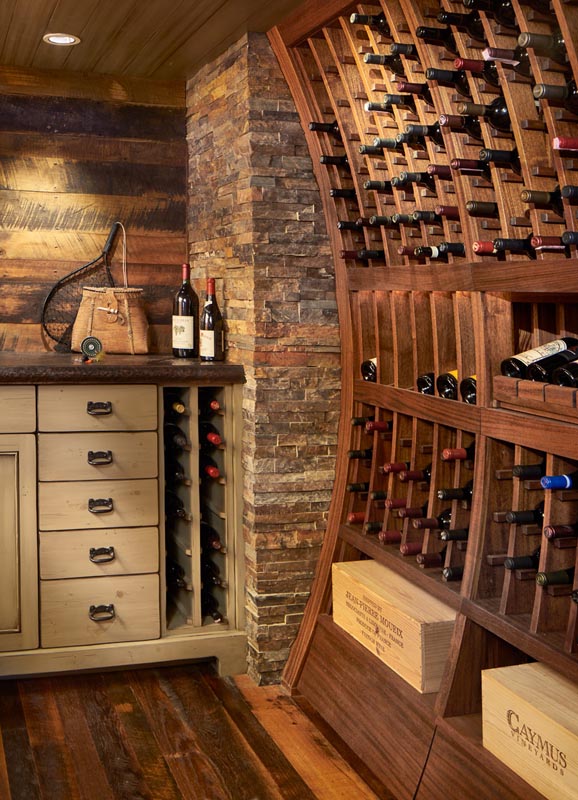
x=207 y=344
x=537 y=353
x=183 y=333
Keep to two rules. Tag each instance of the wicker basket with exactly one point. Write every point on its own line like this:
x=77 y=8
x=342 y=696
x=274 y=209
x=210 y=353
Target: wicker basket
x=115 y=316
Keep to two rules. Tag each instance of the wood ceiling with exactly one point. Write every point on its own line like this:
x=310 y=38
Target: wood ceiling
x=160 y=39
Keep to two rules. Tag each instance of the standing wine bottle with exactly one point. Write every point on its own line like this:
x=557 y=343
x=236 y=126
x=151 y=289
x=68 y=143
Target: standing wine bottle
x=517 y=366
x=212 y=328
x=185 y=319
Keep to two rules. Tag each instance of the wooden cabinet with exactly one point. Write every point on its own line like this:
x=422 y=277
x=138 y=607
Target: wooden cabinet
x=104 y=539
x=415 y=314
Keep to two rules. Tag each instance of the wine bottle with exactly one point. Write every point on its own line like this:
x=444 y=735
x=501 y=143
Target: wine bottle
x=442 y=171
x=421 y=90
x=565 y=143
x=447 y=385
x=453 y=573
x=377 y=21
x=426 y=560
x=455 y=535
x=383 y=222
x=517 y=366
x=566 y=96
x=326 y=127
x=557 y=577
x=175 y=473
x=208 y=406
x=566 y=375
x=517 y=59
x=347 y=194
x=210 y=539
x=211 y=574
x=404 y=219
x=496 y=113
x=529 y=561
x=459 y=453
x=440 y=213
x=210 y=606
x=408 y=50
x=442 y=37
x=568 y=480
x=378 y=425
x=361 y=454
x=561 y=531
x=482 y=208
x=429 y=251
x=420 y=133
x=400 y=100
x=423 y=475
x=175 y=508
x=463 y=124
x=500 y=10
x=480 y=69
x=378 y=494
x=468 y=23
x=551 y=199
x=542 y=370
x=452 y=248
x=425 y=383
x=389 y=537
x=185 y=319
x=208 y=467
x=175 y=438
x=407 y=178
x=459 y=493
x=468 y=390
x=378 y=186
x=363 y=255
x=472 y=166
x=174 y=408
x=176 y=577
x=209 y=436
x=369 y=370
x=361 y=487
x=360 y=421
x=370 y=150
x=516 y=246
x=389 y=60
x=509 y=158
x=212 y=327
x=552 y=47
x=533 y=516
x=441 y=522
x=394 y=467
x=449 y=77
x=529 y=471
x=338 y=161
x=413 y=512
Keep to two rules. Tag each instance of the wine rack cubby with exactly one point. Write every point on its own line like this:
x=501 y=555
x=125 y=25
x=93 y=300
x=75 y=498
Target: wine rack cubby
x=454 y=245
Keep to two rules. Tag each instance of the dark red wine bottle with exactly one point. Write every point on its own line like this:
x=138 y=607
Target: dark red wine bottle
x=463 y=124
x=208 y=468
x=212 y=327
x=421 y=90
x=479 y=69
x=441 y=522
x=209 y=436
x=561 y=531
x=185 y=319
x=423 y=475
x=459 y=453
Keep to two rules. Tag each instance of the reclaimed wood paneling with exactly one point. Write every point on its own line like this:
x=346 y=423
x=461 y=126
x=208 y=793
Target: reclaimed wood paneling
x=70 y=166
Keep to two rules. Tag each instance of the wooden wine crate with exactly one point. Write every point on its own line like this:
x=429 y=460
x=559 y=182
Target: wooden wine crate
x=530 y=722
x=404 y=626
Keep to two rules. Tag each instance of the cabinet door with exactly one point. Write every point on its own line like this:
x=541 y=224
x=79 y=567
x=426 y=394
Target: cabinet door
x=18 y=565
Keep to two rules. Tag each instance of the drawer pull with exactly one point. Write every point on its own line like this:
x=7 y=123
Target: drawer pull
x=100 y=506
x=101 y=555
x=101 y=613
x=100 y=409
x=99 y=457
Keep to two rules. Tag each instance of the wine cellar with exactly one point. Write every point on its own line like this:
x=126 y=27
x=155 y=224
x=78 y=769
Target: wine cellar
x=443 y=138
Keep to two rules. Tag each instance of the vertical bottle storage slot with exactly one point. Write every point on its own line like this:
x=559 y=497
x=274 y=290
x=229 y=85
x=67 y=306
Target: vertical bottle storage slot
x=215 y=436
x=385 y=319
x=181 y=504
x=360 y=462
x=444 y=342
x=402 y=340
x=401 y=503
x=367 y=363
x=423 y=357
x=417 y=481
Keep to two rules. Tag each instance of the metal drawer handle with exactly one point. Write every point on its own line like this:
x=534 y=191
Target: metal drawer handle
x=101 y=555
x=98 y=457
x=102 y=613
x=99 y=409
x=100 y=506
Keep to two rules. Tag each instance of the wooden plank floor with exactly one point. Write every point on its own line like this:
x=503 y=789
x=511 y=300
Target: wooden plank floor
x=171 y=733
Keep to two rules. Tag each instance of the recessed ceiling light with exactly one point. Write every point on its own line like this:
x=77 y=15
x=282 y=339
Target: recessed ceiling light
x=61 y=39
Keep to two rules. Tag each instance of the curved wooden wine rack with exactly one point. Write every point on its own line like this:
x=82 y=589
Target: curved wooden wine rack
x=419 y=315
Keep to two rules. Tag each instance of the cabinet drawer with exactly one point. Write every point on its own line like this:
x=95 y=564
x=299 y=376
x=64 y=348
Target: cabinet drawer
x=97 y=408
x=18 y=404
x=112 y=551
x=99 y=610
x=115 y=504
x=96 y=456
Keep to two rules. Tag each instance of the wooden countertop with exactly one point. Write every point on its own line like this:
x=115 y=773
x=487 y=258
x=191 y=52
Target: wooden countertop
x=28 y=368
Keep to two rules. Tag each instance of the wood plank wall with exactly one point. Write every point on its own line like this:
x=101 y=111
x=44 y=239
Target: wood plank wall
x=77 y=153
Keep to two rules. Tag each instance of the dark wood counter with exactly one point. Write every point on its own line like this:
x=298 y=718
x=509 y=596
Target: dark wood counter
x=28 y=368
